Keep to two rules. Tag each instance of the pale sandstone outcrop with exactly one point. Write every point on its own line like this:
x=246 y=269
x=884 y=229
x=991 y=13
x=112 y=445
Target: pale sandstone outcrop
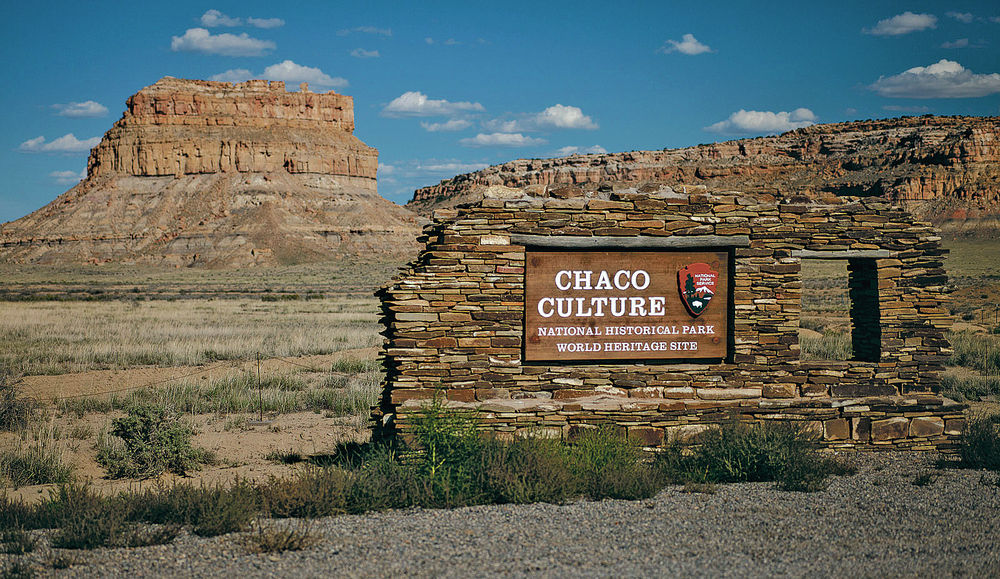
x=945 y=169
x=220 y=175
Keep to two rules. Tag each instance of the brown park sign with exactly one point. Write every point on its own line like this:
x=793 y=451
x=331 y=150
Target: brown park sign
x=625 y=305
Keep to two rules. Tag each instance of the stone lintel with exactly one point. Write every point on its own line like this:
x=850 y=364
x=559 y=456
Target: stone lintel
x=581 y=242
x=843 y=254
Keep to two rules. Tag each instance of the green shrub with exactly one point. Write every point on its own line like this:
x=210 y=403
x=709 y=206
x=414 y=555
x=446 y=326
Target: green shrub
x=148 y=442
x=738 y=452
x=210 y=510
x=527 y=471
x=281 y=537
x=85 y=519
x=316 y=492
x=609 y=466
x=979 y=446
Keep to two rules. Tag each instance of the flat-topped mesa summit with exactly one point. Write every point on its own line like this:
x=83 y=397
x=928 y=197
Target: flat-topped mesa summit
x=944 y=169
x=179 y=127
x=221 y=175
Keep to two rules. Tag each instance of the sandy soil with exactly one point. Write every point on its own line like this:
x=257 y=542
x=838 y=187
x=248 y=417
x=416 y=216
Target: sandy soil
x=240 y=441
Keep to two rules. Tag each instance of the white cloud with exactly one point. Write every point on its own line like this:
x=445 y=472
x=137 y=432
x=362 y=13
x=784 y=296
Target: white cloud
x=903 y=24
x=429 y=40
x=943 y=79
x=963 y=17
x=214 y=18
x=501 y=140
x=266 y=22
x=68 y=177
x=81 y=110
x=225 y=44
x=687 y=45
x=386 y=169
x=555 y=117
x=365 y=30
x=233 y=75
x=293 y=73
x=960 y=43
x=572 y=150
x=416 y=104
x=995 y=19
x=450 y=125
x=764 y=122
x=564 y=117
x=67 y=143
x=362 y=53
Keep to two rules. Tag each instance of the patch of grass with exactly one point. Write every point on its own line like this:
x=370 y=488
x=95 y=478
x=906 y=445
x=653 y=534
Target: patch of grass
x=285 y=457
x=64 y=561
x=609 y=466
x=17 y=570
x=239 y=394
x=282 y=537
x=148 y=442
x=830 y=346
x=738 y=452
x=16 y=410
x=961 y=387
x=35 y=463
x=979 y=446
x=18 y=541
x=316 y=492
x=355 y=366
x=210 y=510
x=923 y=479
x=55 y=337
x=85 y=519
x=979 y=352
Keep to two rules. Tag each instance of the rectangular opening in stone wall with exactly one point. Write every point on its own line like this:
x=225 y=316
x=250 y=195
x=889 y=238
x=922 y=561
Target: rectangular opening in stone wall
x=626 y=305
x=866 y=327
x=840 y=312
x=825 y=323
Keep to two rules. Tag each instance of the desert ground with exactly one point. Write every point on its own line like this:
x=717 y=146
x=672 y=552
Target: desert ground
x=276 y=369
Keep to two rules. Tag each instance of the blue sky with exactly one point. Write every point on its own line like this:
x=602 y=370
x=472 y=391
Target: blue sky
x=442 y=88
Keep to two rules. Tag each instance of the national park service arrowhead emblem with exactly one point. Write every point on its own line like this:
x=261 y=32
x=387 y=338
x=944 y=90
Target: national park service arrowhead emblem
x=696 y=283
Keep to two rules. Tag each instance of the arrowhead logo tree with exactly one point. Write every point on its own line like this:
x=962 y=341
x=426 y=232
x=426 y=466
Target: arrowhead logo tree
x=696 y=283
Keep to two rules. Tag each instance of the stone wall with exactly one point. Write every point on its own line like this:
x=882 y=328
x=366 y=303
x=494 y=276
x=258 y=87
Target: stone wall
x=454 y=319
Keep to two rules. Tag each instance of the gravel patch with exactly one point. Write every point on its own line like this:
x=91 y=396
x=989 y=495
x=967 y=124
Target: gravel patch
x=874 y=523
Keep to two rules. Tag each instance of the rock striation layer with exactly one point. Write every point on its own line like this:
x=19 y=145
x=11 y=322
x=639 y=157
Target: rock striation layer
x=945 y=169
x=221 y=175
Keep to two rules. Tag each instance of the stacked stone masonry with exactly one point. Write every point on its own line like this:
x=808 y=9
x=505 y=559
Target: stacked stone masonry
x=454 y=320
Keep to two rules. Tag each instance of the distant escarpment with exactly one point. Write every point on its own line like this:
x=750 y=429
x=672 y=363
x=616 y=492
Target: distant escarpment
x=220 y=175
x=944 y=169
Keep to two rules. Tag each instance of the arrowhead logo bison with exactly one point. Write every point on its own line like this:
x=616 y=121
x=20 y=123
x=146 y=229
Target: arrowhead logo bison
x=696 y=283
